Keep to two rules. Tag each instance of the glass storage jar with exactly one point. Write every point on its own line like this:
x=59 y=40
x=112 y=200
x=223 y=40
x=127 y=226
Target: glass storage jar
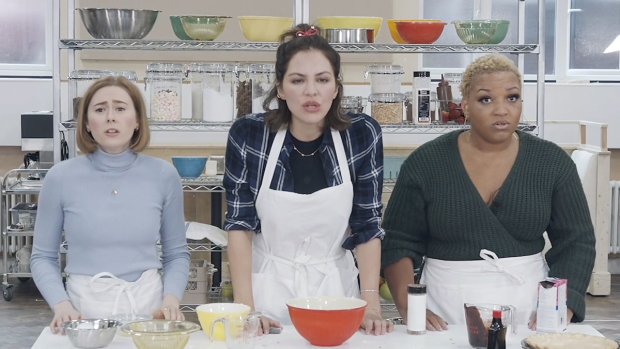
x=387 y=108
x=195 y=73
x=263 y=77
x=218 y=81
x=351 y=104
x=243 y=96
x=166 y=84
x=384 y=78
x=409 y=104
x=79 y=82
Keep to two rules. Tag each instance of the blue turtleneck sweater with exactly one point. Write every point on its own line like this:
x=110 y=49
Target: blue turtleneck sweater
x=113 y=209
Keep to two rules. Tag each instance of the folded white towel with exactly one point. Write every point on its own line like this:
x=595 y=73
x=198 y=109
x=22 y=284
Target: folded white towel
x=199 y=231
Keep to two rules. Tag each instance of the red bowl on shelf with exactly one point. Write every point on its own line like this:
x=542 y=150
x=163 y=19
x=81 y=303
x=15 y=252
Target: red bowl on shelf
x=419 y=32
x=326 y=321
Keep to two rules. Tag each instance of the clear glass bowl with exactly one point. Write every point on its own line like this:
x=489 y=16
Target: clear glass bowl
x=160 y=334
x=476 y=32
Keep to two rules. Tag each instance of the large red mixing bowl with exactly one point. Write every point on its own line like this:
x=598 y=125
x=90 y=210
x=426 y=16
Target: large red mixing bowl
x=326 y=321
x=419 y=32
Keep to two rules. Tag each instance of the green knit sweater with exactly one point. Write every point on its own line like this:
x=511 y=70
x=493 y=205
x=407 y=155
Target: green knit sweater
x=436 y=211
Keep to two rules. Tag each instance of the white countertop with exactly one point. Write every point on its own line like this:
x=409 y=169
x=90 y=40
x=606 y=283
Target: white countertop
x=454 y=338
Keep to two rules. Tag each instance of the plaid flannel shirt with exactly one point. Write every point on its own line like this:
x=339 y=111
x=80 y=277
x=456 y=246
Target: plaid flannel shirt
x=249 y=143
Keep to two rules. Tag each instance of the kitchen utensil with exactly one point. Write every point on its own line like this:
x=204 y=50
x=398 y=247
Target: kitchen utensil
x=326 y=321
x=90 y=333
x=478 y=318
x=350 y=22
x=419 y=32
x=394 y=31
x=349 y=36
x=208 y=313
x=241 y=331
x=500 y=33
x=161 y=334
x=204 y=28
x=177 y=28
x=189 y=166
x=264 y=28
x=110 y=23
x=477 y=32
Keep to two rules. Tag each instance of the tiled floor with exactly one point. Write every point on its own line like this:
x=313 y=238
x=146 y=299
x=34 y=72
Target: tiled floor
x=22 y=319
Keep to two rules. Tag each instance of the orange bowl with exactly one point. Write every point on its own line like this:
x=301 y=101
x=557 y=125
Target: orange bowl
x=326 y=321
x=394 y=31
x=419 y=31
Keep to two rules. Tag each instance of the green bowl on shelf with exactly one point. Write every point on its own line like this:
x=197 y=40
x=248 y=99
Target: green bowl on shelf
x=177 y=28
x=476 y=32
x=500 y=33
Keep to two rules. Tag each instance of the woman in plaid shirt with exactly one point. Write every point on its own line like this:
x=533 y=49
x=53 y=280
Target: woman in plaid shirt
x=303 y=188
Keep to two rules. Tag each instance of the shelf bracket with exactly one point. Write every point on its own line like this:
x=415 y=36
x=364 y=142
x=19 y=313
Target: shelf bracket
x=301 y=11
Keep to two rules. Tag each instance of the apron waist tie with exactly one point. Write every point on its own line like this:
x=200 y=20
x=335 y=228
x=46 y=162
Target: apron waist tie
x=300 y=264
x=492 y=258
x=124 y=287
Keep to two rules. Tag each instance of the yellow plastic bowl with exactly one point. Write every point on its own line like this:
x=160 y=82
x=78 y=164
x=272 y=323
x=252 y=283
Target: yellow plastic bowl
x=264 y=28
x=394 y=31
x=341 y=22
x=208 y=313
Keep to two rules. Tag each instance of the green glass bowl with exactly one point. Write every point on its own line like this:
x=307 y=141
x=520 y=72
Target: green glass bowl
x=177 y=28
x=500 y=33
x=203 y=28
x=476 y=32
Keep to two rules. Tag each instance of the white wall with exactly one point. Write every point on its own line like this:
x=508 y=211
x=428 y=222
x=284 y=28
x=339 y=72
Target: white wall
x=589 y=102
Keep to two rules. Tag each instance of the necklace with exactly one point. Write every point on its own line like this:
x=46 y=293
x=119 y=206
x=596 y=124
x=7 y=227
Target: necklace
x=306 y=155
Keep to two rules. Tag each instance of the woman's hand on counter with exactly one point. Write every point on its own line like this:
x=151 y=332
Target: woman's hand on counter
x=267 y=323
x=434 y=322
x=169 y=309
x=63 y=311
x=373 y=323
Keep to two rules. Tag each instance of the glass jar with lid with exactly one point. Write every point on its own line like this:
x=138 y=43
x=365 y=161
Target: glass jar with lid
x=243 y=96
x=387 y=108
x=166 y=84
x=263 y=77
x=79 y=82
x=384 y=78
x=351 y=104
x=195 y=73
x=218 y=80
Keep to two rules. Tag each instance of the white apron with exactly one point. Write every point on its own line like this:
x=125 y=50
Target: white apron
x=298 y=252
x=506 y=281
x=104 y=295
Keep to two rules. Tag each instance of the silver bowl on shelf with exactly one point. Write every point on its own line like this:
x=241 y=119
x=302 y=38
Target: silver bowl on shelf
x=91 y=333
x=118 y=24
x=349 y=36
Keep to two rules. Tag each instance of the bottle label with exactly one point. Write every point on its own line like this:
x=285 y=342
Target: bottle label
x=424 y=107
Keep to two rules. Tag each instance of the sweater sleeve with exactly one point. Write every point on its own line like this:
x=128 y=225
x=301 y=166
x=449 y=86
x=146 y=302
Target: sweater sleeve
x=405 y=223
x=175 y=255
x=48 y=229
x=571 y=234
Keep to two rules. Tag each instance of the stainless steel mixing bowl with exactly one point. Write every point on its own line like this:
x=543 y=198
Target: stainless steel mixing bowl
x=91 y=333
x=110 y=23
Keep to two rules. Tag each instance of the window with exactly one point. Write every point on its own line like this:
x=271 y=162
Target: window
x=25 y=38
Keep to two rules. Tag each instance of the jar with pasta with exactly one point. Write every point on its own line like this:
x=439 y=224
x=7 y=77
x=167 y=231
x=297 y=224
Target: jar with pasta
x=165 y=81
x=387 y=108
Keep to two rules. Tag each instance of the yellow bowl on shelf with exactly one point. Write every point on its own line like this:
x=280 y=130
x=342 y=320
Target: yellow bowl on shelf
x=264 y=28
x=394 y=31
x=343 y=22
x=208 y=313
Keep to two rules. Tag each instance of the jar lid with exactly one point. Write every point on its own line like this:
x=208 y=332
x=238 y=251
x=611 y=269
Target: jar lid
x=387 y=97
x=127 y=74
x=262 y=68
x=351 y=101
x=421 y=74
x=165 y=68
x=409 y=95
x=89 y=74
x=416 y=288
x=211 y=68
x=384 y=69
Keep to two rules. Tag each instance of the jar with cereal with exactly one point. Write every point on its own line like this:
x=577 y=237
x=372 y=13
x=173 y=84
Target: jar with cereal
x=166 y=83
x=387 y=108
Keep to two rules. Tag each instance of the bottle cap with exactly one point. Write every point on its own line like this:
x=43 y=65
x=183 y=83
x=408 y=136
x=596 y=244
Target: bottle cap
x=497 y=314
x=416 y=289
x=421 y=74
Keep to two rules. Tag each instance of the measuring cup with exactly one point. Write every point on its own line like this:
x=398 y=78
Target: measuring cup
x=241 y=331
x=479 y=317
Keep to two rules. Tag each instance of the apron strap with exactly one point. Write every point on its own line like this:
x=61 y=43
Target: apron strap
x=272 y=160
x=492 y=258
x=342 y=157
x=124 y=287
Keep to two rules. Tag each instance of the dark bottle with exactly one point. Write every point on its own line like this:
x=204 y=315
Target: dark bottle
x=497 y=332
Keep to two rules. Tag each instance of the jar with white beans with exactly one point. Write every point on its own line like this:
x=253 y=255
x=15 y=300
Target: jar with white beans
x=166 y=83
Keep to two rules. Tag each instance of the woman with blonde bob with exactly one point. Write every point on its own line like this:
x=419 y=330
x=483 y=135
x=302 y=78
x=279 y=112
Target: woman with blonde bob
x=113 y=206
